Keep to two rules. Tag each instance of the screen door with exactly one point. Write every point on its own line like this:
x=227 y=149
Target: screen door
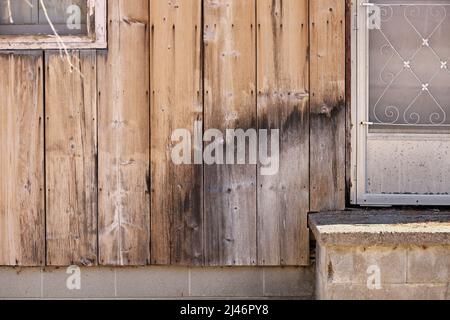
x=402 y=102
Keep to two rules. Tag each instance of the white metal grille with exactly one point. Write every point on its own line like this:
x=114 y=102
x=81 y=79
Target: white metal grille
x=409 y=64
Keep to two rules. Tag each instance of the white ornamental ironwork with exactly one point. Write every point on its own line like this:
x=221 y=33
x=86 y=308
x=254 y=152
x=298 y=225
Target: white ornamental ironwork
x=381 y=111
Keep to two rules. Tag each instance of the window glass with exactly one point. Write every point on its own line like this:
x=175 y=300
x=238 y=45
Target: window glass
x=30 y=17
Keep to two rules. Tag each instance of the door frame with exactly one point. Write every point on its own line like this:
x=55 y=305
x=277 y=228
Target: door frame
x=359 y=46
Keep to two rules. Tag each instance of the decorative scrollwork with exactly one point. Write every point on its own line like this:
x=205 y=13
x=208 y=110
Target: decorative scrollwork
x=386 y=112
x=392 y=113
x=386 y=13
x=386 y=76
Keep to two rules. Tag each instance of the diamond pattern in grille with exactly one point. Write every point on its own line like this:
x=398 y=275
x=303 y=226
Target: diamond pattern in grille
x=409 y=56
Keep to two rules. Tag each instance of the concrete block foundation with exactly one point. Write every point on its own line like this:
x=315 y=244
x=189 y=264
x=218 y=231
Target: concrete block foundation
x=157 y=283
x=365 y=257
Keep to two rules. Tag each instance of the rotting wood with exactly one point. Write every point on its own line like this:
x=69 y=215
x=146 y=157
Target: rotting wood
x=71 y=155
x=283 y=84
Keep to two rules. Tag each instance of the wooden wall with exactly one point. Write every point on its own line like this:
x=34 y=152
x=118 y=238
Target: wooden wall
x=86 y=170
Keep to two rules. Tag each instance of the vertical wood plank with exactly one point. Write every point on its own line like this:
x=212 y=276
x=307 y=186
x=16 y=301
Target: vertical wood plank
x=283 y=104
x=71 y=155
x=348 y=101
x=230 y=103
x=327 y=113
x=22 y=220
x=124 y=136
x=176 y=103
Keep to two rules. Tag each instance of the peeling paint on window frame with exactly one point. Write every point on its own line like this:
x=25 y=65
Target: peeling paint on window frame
x=96 y=38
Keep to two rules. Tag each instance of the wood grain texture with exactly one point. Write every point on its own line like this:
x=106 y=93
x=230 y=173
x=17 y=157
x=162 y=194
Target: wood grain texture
x=327 y=116
x=71 y=158
x=230 y=103
x=176 y=103
x=124 y=136
x=22 y=221
x=348 y=100
x=254 y=69
x=283 y=104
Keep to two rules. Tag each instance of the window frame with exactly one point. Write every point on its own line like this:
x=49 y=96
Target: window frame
x=96 y=38
x=359 y=51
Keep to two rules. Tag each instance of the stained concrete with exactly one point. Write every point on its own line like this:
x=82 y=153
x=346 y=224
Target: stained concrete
x=159 y=282
x=386 y=228
x=389 y=256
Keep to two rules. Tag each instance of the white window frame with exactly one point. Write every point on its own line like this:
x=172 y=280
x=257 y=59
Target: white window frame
x=96 y=38
x=360 y=129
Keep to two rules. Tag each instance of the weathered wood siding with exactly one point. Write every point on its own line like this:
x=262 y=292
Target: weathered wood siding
x=124 y=136
x=87 y=173
x=176 y=103
x=22 y=204
x=283 y=103
x=230 y=103
x=327 y=110
x=71 y=154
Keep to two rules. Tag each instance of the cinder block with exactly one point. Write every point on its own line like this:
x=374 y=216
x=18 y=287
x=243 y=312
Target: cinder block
x=387 y=292
x=20 y=283
x=227 y=282
x=320 y=287
x=351 y=264
x=152 y=282
x=321 y=259
x=429 y=264
x=96 y=283
x=289 y=282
